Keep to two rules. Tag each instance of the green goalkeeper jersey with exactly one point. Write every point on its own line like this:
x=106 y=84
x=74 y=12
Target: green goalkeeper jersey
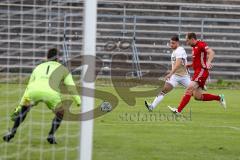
x=44 y=84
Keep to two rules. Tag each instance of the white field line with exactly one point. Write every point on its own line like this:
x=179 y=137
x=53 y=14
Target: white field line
x=228 y=127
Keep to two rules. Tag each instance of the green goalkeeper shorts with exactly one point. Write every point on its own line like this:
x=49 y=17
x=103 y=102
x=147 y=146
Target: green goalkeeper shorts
x=33 y=96
x=36 y=93
x=40 y=93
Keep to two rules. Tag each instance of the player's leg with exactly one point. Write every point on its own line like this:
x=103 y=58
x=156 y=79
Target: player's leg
x=188 y=93
x=186 y=98
x=18 y=119
x=166 y=89
x=54 y=103
x=19 y=115
x=168 y=86
x=185 y=81
x=206 y=96
x=196 y=81
x=56 y=122
x=200 y=96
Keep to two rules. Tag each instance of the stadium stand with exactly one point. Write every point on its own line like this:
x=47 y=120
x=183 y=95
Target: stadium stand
x=28 y=29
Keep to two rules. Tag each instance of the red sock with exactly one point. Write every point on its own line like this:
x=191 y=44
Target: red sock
x=186 y=98
x=210 y=97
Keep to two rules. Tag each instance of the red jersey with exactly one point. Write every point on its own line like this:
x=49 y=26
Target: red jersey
x=199 y=55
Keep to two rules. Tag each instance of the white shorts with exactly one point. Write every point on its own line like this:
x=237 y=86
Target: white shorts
x=182 y=80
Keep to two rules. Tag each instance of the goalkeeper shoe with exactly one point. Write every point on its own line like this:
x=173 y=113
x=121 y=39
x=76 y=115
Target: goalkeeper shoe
x=51 y=139
x=8 y=137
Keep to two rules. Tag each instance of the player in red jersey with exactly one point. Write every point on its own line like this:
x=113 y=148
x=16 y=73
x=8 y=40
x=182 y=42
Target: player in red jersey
x=202 y=57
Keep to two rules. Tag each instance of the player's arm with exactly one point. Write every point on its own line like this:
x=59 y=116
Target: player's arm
x=174 y=68
x=68 y=81
x=210 y=56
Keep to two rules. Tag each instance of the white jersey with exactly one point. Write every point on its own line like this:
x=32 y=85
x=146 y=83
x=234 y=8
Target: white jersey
x=180 y=53
x=181 y=75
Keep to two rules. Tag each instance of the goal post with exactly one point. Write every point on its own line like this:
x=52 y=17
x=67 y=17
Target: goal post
x=89 y=49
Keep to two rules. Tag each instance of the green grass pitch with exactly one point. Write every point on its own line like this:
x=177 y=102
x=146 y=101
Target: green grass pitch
x=129 y=132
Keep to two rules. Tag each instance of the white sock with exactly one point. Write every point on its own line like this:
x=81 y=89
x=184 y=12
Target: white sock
x=157 y=100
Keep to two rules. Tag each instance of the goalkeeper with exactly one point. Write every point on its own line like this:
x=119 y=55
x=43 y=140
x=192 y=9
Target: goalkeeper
x=39 y=90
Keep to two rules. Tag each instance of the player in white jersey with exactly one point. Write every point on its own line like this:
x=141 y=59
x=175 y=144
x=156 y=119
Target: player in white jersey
x=178 y=75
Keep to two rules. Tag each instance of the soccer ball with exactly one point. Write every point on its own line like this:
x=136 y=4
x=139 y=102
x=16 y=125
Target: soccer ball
x=106 y=107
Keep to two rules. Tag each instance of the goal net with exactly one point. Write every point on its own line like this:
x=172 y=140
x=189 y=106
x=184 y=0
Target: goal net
x=28 y=29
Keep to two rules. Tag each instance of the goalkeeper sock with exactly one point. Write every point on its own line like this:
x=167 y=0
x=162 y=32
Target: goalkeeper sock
x=55 y=124
x=20 y=118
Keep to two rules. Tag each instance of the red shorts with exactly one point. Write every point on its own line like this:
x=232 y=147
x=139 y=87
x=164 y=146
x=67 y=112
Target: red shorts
x=200 y=76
